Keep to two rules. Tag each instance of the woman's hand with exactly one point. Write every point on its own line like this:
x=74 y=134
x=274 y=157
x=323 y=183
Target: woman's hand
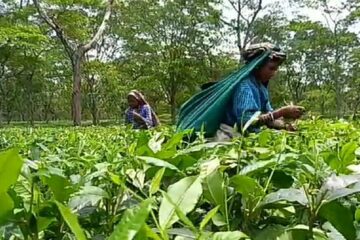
x=279 y=124
x=138 y=117
x=292 y=112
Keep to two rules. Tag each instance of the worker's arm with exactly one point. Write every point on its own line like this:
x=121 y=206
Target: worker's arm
x=144 y=117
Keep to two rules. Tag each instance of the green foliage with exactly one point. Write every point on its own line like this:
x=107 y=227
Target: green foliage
x=71 y=221
x=7 y=205
x=10 y=166
x=183 y=194
x=335 y=211
x=132 y=222
x=237 y=235
x=99 y=182
x=172 y=41
x=214 y=190
x=167 y=50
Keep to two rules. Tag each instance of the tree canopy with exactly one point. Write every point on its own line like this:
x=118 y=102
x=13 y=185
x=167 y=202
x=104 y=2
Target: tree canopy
x=65 y=59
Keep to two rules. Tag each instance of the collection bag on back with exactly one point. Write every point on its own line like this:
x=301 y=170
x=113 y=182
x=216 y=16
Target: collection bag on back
x=205 y=110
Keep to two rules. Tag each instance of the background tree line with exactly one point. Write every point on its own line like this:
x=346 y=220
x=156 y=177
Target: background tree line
x=77 y=59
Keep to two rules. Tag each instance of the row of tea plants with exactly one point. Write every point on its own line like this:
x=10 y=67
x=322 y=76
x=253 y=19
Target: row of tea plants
x=117 y=183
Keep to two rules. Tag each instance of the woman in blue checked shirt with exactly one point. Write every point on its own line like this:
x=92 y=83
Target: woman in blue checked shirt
x=251 y=95
x=139 y=114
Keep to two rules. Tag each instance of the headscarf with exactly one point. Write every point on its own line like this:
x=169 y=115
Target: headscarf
x=142 y=101
x=255 y=50
x=252 y=52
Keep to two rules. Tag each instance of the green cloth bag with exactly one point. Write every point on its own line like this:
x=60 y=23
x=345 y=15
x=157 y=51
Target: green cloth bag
x=205 y=110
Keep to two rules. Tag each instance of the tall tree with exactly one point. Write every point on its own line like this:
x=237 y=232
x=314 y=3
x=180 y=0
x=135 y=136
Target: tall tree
x=22 y=48
x=170 y=40
x=74 y=48
x=246 y=14
x=338 y=42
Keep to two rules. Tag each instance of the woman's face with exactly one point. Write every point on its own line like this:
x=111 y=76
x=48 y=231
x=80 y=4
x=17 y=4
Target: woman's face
x=133 y=102
x=268 y=71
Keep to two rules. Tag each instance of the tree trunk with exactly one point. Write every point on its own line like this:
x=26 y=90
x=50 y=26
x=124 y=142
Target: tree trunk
x=356 y=108
x=76 y=94
x=31 y=107
x=172 y=95
x=95 y=118
x=322 y=107
x=338 y=102
x=93 y=104
x=173 y=108
x=76 y=54
x=31 y=115
x=8 y=115
x=94 y=110
x=47 y=107
x=47 y=112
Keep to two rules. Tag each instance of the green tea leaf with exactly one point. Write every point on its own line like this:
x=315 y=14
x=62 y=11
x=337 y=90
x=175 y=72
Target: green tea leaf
x=357 y=215
x=247 y=186
x=340 y=217
x=301 y=232
x=236 y=235
x=340 y=193
x=257 y=166
x=10 y=167
x=6 y=207
x=185 y=194
x=337 y=182
x=137 y=177
x=115 y=178
x=289 y=195
x=214 y=190
x=271 y=232
x=347 y=153
x=332 y=232
x=261 y=150
x=60 y=186
x=183 y=232
x=219 y=220
x=179 y=213
x=87 y=196
x=155 y=184
x=264 y=137
x=132 y=221
x=336 y=187
x=252 y=120
x=155 y=142
x=201 y=147
x=146 y=233
x=208 y=217
x=71 y=220
x=208 y=167
x=150 y=233
x=44 y=222
x=158 y=162
x=174 y=141
x=280 y=179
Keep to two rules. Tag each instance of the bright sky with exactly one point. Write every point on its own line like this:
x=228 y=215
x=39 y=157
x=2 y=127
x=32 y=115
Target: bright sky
x=290 y=11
